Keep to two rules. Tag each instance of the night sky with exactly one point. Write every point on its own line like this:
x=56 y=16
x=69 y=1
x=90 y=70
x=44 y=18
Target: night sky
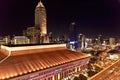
x=92 y=17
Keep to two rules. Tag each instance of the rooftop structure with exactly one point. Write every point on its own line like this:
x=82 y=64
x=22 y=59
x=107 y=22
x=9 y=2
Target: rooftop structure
x=23 y=62
x=40 y=4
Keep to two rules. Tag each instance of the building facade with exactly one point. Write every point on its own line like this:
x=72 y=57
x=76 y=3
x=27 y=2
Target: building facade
x=111 y=41
x=20 y=40
x=33 y=34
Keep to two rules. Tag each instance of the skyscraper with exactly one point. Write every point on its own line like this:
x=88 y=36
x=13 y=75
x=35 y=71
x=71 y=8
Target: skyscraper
x=40 y=18
x=38 y=32
x=72 y=31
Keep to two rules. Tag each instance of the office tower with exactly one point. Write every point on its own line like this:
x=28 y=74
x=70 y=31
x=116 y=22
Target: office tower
x=40 y=19
x=72 y=30
x=37 y=33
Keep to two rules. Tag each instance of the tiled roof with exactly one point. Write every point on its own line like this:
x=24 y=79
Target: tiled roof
x=41 y=59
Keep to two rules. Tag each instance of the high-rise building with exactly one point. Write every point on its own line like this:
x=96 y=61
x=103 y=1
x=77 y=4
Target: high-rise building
x=37 y=33
x=40 y=18
x=99 y=39
x=72 y=31
x=112 y=41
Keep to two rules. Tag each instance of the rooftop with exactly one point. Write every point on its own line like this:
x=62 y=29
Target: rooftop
x=40 y=4
x=34 y=58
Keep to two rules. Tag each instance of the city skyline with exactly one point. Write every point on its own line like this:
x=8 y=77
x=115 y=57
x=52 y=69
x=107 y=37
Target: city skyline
x=91 y=17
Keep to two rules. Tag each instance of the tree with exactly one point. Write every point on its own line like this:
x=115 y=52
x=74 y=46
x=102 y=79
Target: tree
x=76 y=78
x=82 y=77
x=91 y=73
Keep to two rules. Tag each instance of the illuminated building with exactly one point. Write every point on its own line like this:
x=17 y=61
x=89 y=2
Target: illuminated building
x=33 y=34
x=20 y=40
x=40 y=18
x=112 y=41
x=99 y=39
x=40 y=62
x=83 y=42
x=37 y=33
x=5 y=40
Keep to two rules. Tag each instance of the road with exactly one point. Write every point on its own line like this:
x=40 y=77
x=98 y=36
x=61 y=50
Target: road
x=112 y=72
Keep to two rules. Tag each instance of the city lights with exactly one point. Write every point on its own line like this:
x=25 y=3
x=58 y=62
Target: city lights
x=68 y=46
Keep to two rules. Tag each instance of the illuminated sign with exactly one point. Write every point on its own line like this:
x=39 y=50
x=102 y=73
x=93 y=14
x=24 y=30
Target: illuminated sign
x=57 y=71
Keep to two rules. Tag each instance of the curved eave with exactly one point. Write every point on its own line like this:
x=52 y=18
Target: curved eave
x=23 y=64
